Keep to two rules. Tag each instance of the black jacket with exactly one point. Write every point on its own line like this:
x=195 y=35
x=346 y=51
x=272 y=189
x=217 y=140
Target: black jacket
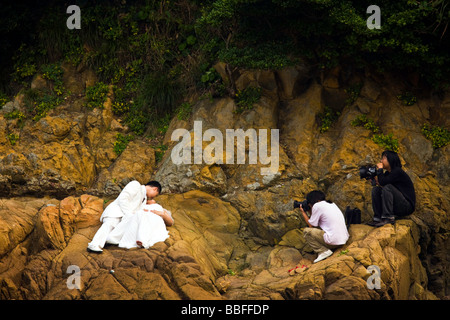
x=399 y=179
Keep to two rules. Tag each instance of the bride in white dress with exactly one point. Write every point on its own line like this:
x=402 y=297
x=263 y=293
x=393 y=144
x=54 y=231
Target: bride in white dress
x=146 y=227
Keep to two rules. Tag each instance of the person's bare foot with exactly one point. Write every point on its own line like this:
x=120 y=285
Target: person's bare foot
x=139 y=243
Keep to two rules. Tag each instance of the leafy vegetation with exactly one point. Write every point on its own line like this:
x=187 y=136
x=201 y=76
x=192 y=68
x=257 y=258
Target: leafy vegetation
x=38 y=103
x=15 y=114
x=407 y=98
x=120 y=104
x=245 y=99
x=363 y=121
x=387 y=142
x=327 y=118
x=3 y=99
x=12 y=137
x=262 y=56
x=439 y=137
x=154 y=53
x=96 y=95
x=54 y=73
x=160 y=150
x=121 y=143
x=184 y=111
x=353 y=93
x=263 y=33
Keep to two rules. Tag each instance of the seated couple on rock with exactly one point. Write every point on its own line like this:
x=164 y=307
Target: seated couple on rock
x=134 y=219
x=393 y=196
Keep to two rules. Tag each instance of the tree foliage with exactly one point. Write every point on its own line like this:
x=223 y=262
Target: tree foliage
x=155 y=52
x=413 y=34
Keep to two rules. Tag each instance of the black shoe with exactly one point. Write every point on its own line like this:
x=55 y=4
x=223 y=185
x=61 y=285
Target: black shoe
x=373 y=223
x=383 y=222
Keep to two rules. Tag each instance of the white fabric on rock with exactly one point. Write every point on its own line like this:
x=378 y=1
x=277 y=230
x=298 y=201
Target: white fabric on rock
x=143 y=226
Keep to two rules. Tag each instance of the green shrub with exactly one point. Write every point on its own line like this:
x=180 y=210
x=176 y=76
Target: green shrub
x=38 y=103
x=47 y=103
x=387 y=142
x=120 y=107
x=439 y=137
x=15 y=114
x=3 y=99
x=120 y=104
x=12 y=137
x=96 y=95
x=137 y=121
x=154 y=104
x=413 y=34
x=160 y=150
x=407 y=98
x=245 y=99
x=210 y=76
x=212 y=81
x=121 y=143
x=353 y=93
x=24 y=63
x=162 y=123
x=327 y=118
x=363 y=121
x=267 y=56
x=25 y=70
x=54 y=73
x=158 y=94
x=184 y=111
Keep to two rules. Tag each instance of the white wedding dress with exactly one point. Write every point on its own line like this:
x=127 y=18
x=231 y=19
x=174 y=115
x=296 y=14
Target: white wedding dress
x=144 y=226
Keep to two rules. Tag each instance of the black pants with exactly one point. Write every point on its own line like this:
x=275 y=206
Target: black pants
x=388 y=202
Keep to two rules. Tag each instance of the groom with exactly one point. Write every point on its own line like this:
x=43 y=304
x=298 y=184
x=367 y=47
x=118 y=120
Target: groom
x=132 y=198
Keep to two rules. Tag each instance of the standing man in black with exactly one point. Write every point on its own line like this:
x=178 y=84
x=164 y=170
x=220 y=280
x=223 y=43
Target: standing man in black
x=394 y=193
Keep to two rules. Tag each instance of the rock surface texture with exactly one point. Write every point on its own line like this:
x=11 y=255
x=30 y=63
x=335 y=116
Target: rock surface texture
x=235 y=234
x=204 y=258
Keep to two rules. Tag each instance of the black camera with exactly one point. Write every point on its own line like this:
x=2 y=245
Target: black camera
x=304 y=205
x=367 y=172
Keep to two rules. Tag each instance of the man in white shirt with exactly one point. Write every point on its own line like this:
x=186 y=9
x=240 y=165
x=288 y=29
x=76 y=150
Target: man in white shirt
x=132 y=198
x=326 y=215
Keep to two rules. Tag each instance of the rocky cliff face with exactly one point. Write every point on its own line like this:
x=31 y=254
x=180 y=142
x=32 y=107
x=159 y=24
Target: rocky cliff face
x=235 y=233
x=204 y=258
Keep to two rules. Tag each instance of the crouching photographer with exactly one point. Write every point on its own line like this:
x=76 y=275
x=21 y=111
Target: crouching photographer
x=326 y=215
x=393 y=194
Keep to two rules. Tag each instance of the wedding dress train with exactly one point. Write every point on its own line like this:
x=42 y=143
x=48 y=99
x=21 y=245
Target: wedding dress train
x=144 y=226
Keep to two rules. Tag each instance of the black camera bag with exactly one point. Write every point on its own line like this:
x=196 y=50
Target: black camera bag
x=352 y=216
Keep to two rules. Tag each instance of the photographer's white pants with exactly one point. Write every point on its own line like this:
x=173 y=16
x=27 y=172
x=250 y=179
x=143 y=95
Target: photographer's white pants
x=102 y=234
